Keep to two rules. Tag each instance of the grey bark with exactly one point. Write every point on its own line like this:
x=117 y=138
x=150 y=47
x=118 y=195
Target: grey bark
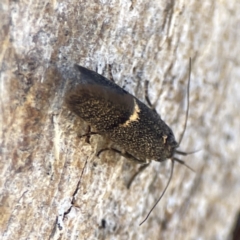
x=52 y=184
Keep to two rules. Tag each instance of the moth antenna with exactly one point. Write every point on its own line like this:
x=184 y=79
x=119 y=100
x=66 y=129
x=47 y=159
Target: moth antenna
x=178 y=152
x=169 y=180
x=186 y=116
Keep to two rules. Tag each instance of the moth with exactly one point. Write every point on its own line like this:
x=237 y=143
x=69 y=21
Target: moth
x=124 y=119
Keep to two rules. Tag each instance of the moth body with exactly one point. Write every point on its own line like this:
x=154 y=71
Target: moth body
x=121 y=117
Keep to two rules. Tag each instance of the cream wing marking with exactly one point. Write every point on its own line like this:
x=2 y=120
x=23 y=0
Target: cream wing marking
x=135 y=115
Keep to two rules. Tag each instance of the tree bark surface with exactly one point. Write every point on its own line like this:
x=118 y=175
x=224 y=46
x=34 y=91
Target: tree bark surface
x=53 y=186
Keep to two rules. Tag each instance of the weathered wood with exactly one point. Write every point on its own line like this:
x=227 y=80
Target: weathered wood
x=52 y=184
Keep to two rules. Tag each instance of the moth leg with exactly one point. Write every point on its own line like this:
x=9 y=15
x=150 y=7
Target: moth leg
x=126 y=154
x=109 y=69
x=88 y=135
x=130 y=157
x=146 y=83
x=108 y=72
x=135 y=174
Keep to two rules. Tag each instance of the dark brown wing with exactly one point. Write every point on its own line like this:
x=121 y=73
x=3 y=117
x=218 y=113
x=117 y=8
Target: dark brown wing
x=99 y=101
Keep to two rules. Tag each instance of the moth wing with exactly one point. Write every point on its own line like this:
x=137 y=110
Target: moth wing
x=99 y=101
x=91 y=77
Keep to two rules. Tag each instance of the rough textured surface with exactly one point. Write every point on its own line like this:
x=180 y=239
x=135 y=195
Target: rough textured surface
x=52 y=184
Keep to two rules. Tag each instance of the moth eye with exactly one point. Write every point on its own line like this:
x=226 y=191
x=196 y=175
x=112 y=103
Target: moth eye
x=164 y=138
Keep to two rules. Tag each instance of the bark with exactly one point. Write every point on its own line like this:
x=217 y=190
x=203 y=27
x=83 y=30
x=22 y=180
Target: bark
x=53 y=186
